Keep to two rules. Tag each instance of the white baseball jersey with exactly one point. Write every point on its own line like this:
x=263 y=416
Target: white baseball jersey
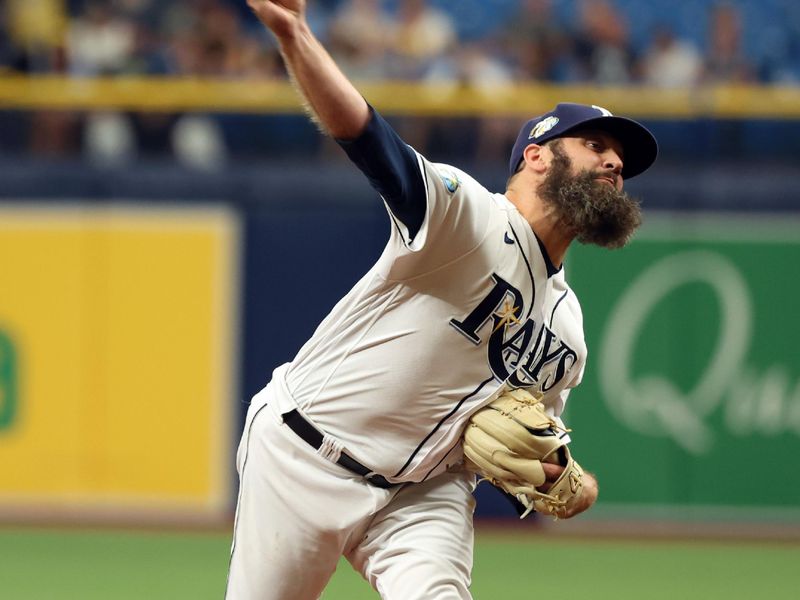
x=436 y=329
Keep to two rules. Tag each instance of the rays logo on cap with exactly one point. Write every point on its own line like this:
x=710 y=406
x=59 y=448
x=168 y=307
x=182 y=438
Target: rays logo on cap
x=543 y=127
x=605 y=111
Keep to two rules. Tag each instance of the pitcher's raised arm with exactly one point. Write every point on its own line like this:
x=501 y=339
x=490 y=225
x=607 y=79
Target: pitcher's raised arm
x=335 y=104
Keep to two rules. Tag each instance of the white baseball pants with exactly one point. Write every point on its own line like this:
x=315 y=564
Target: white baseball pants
x=298 y=512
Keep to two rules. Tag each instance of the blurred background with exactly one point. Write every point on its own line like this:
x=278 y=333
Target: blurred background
x=172 y=228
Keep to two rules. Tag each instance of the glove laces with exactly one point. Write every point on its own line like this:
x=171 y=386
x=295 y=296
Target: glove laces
x=554 y=503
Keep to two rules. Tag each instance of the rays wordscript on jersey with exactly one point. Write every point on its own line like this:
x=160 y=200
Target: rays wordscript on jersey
x=523 y=353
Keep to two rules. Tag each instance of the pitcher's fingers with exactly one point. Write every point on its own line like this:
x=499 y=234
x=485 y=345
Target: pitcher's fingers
x=552 y=472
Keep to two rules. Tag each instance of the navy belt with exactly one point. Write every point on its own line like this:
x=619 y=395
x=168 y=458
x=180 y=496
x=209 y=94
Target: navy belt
x=313 y=437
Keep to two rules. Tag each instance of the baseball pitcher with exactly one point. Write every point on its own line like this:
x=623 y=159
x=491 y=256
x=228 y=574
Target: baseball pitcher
x=450 y=360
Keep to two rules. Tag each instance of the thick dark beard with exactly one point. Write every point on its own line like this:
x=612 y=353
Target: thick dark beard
x=593 y=212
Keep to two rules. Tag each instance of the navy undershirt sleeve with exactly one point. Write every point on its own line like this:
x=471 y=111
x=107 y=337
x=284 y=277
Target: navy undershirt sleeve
x=392 y=169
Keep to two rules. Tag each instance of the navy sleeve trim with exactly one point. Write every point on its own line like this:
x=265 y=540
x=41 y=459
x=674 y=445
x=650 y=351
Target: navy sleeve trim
x=392 y=168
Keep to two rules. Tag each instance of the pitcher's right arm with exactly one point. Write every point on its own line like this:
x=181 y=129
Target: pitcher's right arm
x=335 y=103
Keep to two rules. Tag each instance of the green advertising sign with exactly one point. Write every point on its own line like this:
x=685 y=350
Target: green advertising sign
x=8 y=387
x=691 y=400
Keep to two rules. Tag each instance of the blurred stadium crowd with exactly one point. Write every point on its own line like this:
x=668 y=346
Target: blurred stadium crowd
x=660 y=43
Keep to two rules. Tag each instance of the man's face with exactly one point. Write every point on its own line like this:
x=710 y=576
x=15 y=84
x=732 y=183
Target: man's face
x=597 y=152
x=583 y=185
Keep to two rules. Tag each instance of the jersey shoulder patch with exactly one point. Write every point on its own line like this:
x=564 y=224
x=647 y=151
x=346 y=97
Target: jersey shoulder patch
x=450 y=179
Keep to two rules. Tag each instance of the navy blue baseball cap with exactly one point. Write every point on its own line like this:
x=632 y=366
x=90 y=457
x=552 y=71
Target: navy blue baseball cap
x=638 y=144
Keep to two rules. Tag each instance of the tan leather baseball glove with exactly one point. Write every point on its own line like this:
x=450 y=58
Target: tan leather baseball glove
x=506 y=441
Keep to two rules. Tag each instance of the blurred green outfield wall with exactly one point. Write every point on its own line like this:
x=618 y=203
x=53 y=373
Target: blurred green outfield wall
x=690 y=404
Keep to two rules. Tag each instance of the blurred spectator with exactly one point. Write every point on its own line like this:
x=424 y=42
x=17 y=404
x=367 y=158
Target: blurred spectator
x=469 y=65
x=670 y=62
x=219 y=27
x=205 y=38
x=34 y=43
x=8 y=51
x=149 y=54
x=259 y=61
x=603 y=49
x=536 y=43
x=108 y=139
x=103 y=42
x=34 y=33
x=210 y=47
x=423 y=34
x=198 y=142
x=725 y=61
x=360 y=35
x=100 y=42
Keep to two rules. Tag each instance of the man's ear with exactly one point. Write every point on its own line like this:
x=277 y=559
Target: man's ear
x=536 y=157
